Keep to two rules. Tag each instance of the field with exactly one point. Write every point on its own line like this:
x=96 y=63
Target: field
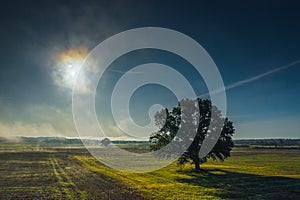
x=55 y=174
x=71 y=173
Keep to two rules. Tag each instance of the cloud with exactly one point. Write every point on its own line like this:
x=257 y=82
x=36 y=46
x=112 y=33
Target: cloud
x=115 y=133
x=35 y=120
x=46 y=120
x=20 y=128
x=65 y=69
x=74 y=27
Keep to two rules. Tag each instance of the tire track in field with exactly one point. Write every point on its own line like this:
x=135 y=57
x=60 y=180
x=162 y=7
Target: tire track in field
x=69 y=189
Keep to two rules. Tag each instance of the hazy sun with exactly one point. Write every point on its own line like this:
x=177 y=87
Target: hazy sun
x=67 y=65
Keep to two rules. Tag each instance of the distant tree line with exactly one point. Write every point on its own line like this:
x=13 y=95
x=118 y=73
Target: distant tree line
x=269 y=142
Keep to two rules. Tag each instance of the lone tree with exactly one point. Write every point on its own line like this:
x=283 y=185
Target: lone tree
x=169 y=123
x=105 y=142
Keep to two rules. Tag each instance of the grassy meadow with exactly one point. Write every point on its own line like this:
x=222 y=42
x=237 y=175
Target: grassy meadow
x=72 y=173
x=248 y=174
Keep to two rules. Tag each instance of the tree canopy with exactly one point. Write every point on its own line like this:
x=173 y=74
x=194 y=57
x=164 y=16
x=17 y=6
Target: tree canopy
x=105 y=142
x=200 y=122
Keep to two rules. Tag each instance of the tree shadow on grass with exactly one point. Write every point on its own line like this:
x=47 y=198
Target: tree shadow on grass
x=245 y=186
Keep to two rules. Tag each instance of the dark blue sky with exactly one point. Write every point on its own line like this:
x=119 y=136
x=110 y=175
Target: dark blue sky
x=244 y=38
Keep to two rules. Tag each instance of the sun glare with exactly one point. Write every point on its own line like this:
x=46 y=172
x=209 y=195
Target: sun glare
x=67 y=65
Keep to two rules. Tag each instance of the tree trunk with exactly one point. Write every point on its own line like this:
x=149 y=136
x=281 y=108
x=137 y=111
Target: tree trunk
x=197 y=163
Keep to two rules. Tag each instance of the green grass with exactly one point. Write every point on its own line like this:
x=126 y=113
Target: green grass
x=284 y=165
x=251 y=174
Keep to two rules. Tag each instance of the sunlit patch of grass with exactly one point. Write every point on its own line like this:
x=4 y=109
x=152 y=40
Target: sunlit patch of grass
x=241 y=176
x=261 y=164
x=159 y=184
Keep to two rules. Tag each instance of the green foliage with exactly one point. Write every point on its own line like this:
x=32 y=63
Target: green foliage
x=205 y=123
